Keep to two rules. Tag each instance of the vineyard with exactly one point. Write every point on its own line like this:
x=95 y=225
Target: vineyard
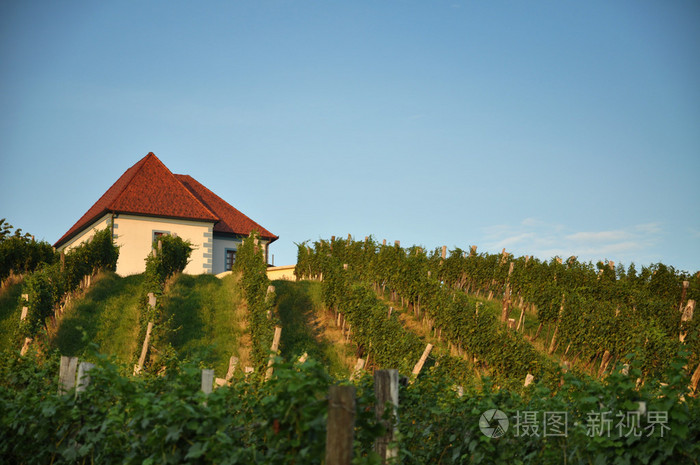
x=376 y=354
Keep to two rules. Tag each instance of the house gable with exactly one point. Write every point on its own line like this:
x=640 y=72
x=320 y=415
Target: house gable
x=147 y=199
x=147 y=188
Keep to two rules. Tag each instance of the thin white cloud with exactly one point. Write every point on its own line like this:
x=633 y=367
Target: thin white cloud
x=546 y=240
x=598 y=236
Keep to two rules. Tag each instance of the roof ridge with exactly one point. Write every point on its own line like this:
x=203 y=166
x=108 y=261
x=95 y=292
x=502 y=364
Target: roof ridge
x=215 y=195
x=206 y=207
x=195 y=185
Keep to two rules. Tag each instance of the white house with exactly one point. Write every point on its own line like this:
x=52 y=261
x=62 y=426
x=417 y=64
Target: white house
x=148 y=200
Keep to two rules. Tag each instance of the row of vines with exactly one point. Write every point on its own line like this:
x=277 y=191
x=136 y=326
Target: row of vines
x=595 y=309
x=166 y=418
x=52 y=280
x=259 y=297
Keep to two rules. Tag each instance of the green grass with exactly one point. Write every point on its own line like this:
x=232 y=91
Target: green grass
x=300 y=307
x=205 y=322
x=107 y=315
x=10 y=311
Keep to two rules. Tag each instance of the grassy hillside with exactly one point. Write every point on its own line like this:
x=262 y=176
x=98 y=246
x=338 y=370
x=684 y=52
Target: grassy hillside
x=306 y=327
x=106 y=315
x=207 y=319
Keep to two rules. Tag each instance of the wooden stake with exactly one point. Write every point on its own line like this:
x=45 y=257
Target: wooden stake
x=273 y=349
x=419 y=366
x=144 y=349
x=687 y=316
x=358 y=368
x=25 y=310
x=521 y=320
x=25 y=346
x=386 y=390
x=506 y=295
x=207 y=381
x=340 y=425
x=83 y=377
x=552 y=344
x=694 y=380
x=607 y=356
x=66 y=374
x=232 y=362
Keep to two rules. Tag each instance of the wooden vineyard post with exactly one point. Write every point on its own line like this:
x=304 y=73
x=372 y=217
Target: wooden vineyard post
x=506 y=296
x=340 y=425
x=207 y=381
x=66 y=374
x=25 y=309
x=521 y=320
x=386 y=390
x=607 y=356
x=694 y=380
x=83 y=377
x=233 y=361
x=552 y=345
x=273 y=349
x=421 y=362
x=687 y=316
x=23 y=316
x=357 y=371
x=144 y=350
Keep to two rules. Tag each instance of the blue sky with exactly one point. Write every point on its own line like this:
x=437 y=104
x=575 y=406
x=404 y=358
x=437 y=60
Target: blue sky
x=548 y=128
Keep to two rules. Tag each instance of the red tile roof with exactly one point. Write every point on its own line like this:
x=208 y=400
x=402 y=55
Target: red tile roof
x=231 y=221
x=149 y=188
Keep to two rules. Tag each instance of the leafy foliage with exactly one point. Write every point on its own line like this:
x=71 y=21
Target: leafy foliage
x=167 y=419
x=251 y=264
x=48 y=285
x=20 y=253
x=170 y=255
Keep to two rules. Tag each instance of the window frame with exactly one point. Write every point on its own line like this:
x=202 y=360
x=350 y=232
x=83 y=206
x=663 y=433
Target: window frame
x=228 y=251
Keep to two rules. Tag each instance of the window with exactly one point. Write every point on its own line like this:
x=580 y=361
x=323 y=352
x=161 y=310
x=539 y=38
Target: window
x=156 y=236
x=230 y=259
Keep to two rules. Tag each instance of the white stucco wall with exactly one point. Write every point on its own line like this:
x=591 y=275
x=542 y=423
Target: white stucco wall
x=134 y=235
x=87 y=234
x=221 y=244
